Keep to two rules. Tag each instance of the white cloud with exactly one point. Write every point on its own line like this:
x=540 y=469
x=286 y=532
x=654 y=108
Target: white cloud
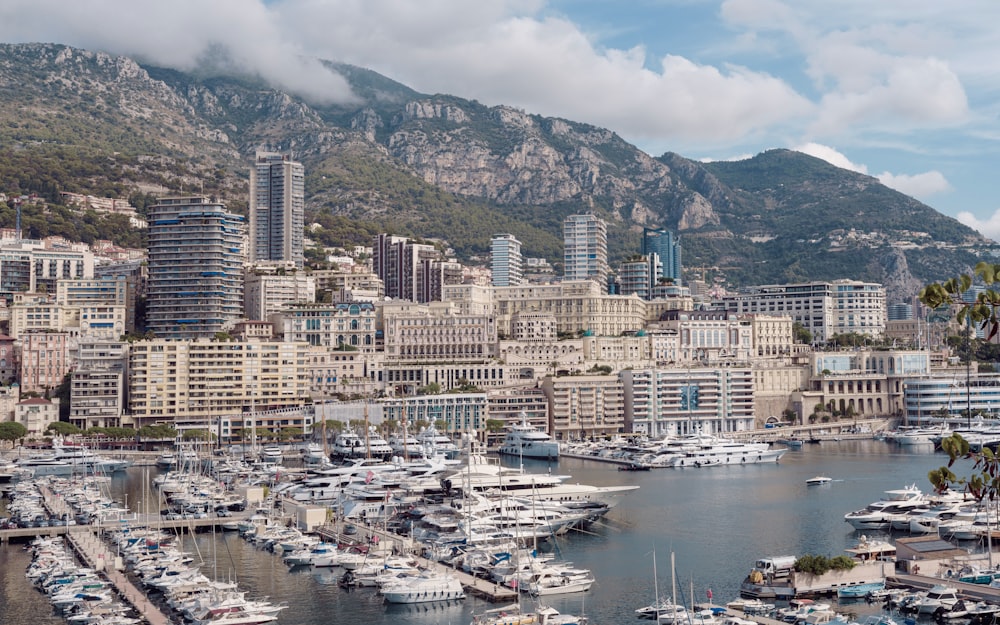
x=920 y=186
x=757 y=74
x=830 y=155
x=511 y=52
x=989 y=227
x=190 y=35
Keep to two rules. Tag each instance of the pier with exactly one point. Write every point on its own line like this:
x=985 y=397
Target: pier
x=94 y=553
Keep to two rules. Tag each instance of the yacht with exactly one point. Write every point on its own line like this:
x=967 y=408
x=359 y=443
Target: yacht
x=939 y=596
x=922 y=436
x=375 y=445
x=422 y=588
x=526 y=441
x=405 y=445
x=482 y=476
x=712 y=451
x=348 y=445
x=166 y=460
x=561 y=580
x=878 y=514
x=271 y=454
x=436 y=443
x=70 y=459
x=313 y=454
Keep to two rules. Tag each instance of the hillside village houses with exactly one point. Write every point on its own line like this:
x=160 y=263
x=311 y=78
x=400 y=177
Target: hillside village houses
x=406 y=330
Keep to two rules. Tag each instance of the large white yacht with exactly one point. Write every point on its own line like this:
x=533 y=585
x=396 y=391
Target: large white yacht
x=70 y=459
x=526 y=441
x=712 y=451
x=480 y=475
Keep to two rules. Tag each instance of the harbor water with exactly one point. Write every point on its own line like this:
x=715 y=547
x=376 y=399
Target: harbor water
x=715 y=521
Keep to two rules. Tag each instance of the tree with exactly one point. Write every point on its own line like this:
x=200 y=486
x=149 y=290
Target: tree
x=800 y=334
x=495 y=425
x=62 y=428
x=432 y=388
x=197 y=435
x=12 y=431
x=983 y=481
x=333 y=426
x=289 y=433
x=161 y=431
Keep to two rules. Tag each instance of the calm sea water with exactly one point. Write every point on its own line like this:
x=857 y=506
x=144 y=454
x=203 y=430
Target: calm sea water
x=716 y=521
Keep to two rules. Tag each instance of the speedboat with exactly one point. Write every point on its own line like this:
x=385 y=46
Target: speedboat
x=819 y=479
x=939 y=596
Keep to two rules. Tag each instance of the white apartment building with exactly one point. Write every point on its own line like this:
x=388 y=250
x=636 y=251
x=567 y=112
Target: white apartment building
x=334 y=373
x=33 y=312
x=97 y=391
x=267 y=288
x=864 y=383
x=360 y=280
x=461 y=413
x=708 y=336
x=823 y=308
x=673 y=402
x=506 y=261
x=772 y=336
x=585 y=253
x=585 y=407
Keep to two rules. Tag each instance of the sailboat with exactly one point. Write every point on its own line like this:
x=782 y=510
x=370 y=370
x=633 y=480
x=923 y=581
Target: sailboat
x=514 y=615
x=663 y=610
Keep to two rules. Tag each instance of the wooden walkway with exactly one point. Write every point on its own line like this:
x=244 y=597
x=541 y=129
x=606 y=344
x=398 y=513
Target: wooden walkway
x=95 y=554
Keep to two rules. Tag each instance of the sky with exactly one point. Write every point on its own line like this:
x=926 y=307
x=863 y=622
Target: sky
x=903 y=90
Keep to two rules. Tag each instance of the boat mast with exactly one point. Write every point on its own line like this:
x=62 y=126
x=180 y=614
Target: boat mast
x=673 y=582
x=368 y=446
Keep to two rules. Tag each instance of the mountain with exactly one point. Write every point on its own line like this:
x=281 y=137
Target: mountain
x=446 y=168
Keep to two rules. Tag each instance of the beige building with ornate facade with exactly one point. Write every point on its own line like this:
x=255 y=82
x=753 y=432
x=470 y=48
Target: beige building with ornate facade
x=580 y=306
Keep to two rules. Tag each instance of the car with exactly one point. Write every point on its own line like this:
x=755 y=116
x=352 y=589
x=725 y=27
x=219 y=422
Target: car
x=223 y=512
x=350 y=530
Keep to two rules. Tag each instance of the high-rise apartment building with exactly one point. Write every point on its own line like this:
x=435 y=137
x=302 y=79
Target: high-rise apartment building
x=585 y=254
x=195 y=286
x=506 y=260
x=412 y=271
x=667 y=247
x=277 y=209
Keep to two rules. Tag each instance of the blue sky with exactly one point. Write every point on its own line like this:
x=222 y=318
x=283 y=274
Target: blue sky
x=904 y=90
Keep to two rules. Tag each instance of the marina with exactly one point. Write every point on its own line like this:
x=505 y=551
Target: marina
x=717 y=520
